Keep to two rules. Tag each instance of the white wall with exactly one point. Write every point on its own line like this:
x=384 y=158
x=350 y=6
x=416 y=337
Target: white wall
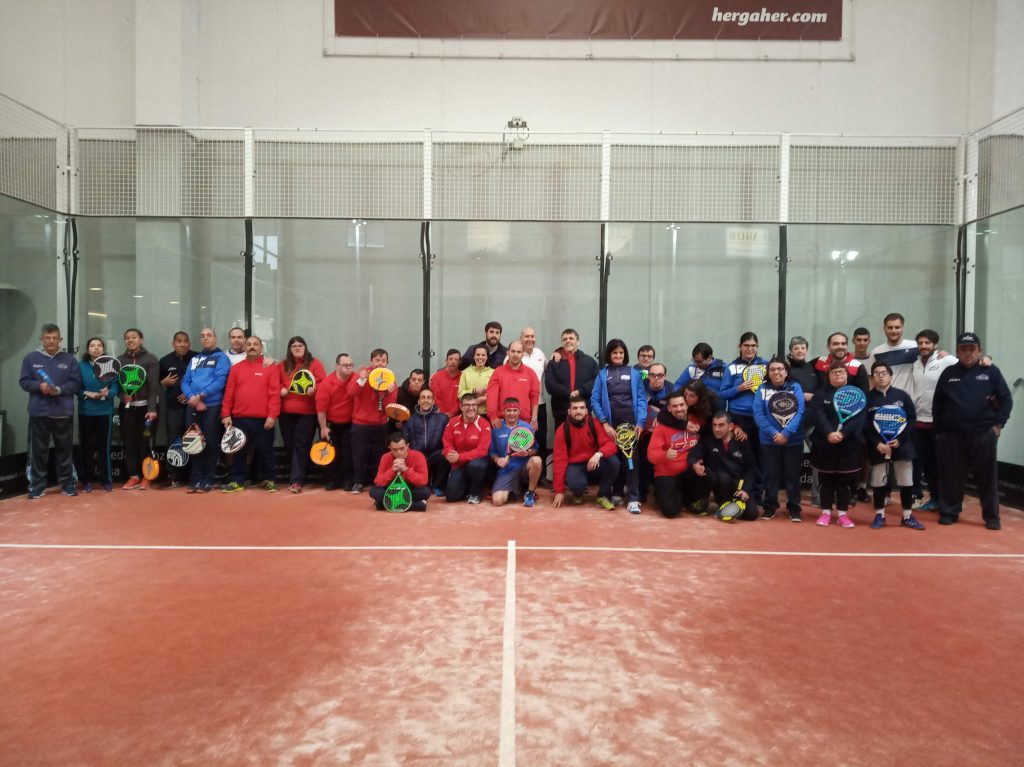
x=921 y=67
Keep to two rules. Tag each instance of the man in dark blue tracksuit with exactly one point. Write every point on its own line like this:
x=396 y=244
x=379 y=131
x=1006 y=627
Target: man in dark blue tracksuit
x=971 y=406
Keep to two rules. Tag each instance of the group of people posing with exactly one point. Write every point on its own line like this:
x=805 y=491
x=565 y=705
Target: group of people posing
x=622 y=426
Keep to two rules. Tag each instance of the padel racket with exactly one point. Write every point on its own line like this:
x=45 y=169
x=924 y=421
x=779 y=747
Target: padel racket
x=520 y=439
x=755 y=374
x=783 y=406
x=176 y=456
x=302 y=383
x=380 y=380
x=192 y=441
x=321 y=453
x=398 y=495
x=131 y=378
x=889 y=422
x=233 y=440
x=399 y=413
x=727 y=512
x=625 y=438
x=46 y=377
x=848 y=402
x=106 y=368
x=150 y=464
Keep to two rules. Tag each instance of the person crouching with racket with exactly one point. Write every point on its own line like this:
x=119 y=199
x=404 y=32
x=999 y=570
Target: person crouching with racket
x=837 y=444
x=583 y=454
x=252 y=403
x=727 y=464
x=619 y=402
x=779 y=413
x=513 y=451
x=890 y=416
x=401 y=461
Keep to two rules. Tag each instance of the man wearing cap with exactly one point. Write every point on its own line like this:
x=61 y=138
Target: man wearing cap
x=971 y=406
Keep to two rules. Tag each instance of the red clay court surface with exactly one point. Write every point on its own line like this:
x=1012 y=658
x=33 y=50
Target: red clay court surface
x=161 y=628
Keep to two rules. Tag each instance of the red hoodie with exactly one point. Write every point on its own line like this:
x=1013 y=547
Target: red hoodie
x=521 y=384
x=300 y=404
x=446 y=391
x=366 y=407
x=415 y=473
x=665 y=437
x=334 y=399
x=252 y=391
x=586 y=440
x=470 y=441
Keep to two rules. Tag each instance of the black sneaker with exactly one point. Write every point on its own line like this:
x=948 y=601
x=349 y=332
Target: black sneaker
x=946 y=520
x=768 y=514
x=796 y=516
x=862 y=495
x=993 y=524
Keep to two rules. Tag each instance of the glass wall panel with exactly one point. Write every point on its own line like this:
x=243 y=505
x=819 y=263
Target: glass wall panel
x=30 y=241
x=344 y=286
x=523 y=273
x=674 y=285
x=999 y=294
x=160 y=276
x=843 y=276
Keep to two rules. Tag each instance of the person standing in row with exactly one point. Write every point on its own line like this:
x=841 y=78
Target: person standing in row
x=138 y=408
x=95 y=419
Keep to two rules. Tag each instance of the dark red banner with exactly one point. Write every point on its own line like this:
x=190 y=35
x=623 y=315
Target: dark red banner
x=591 y=19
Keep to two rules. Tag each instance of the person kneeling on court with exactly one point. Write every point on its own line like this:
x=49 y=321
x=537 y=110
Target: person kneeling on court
x=411 y=464
x=675 y=483
x=516 y=467
x=465 y=443
x=584 y=454
x=726 y=464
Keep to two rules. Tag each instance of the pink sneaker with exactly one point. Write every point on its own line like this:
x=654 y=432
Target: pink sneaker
x=845 y=521
x=825 y=519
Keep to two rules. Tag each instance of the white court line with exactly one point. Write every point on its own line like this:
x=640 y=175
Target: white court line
x=507 y=738
x=568 y=549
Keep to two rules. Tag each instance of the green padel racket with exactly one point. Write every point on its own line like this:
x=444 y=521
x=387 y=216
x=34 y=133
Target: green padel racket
x=520 y=439
x=397 y=495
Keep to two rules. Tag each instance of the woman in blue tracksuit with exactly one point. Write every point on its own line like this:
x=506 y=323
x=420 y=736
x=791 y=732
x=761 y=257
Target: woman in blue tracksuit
x=95 y=419
x=619 y=398
x=739 y=395
x=781 y=448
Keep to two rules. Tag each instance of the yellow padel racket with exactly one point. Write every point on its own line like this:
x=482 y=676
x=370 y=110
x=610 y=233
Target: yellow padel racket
x=322 y=453
x=302 y=383
x=625 y=438
x=380 y=380
x=150 y=464
x=755 y=374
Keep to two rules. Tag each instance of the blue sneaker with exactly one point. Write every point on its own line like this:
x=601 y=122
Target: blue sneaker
x=912 y=523
x=69 y=490
x=87 y=487
x=438 y=492
x=878 y=522
x=34 y=494
x=930 y=506
x=529 y=499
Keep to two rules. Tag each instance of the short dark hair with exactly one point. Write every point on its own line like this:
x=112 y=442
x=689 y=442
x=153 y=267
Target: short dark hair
x=450 y=352
x=837 y=333
x=132 y=330
x=183 y=333
x=722 y=414
x=615 y=343
x=85 y=355
x=467 y=396
x=510 y=401
x=578 y=398
x=49 y=327
x=493 y=324
x=928 y=333
x=646 y=348
x=894 y=316
x=395 y=437
x=340 y=355
x=703 y=349
x=750 y=335
x=417 y=372
x=378 y=352
x=879 y=364
x=862 y=331
x=837 y=365
x=778 y=361
x=569 y=330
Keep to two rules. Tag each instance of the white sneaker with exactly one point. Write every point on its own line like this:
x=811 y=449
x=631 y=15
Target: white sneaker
x=633 y=507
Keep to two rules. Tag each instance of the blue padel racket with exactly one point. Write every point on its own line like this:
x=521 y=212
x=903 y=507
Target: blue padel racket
x=889 y=421
x=848 y=401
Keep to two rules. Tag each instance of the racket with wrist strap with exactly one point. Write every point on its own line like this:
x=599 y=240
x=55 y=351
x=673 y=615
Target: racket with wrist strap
x=380 y=380
x=150 y=464
x=322 y=452
x=848 y=401
x=131 y=378
x=625 y=439
x=398 y=495
x=192 y=441
x=302 y=383
x=783 y=406
x=755 y=374
x=176 y=456
x=233 y=440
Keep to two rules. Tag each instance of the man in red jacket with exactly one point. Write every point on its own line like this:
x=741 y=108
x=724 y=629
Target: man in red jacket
x=369 y=420
x=411 y=464
x=514 y=380
x=252 y=403
x=673 y=439
x=465 y=444
x=445 y=384
x=334 y=412
x=584 y=454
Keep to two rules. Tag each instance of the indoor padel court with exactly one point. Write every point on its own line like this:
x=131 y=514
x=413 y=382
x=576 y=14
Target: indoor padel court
x=251 y=629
